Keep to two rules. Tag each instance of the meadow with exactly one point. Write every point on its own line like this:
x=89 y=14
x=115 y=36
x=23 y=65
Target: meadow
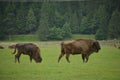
x=104 y=65
x=33 y=37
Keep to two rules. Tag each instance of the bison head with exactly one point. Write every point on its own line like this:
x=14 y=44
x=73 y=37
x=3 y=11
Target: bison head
x=38 y=59
x=96 y=46
x=37 y=56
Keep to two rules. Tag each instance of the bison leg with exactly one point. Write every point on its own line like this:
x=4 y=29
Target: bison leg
x=17 y=56
x=67 y=57
x=83 y=57
x=87 y=57
x=30 y=58
x=60 y=56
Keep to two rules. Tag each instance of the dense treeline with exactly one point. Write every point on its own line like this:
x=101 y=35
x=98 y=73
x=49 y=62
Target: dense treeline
x=54 y=20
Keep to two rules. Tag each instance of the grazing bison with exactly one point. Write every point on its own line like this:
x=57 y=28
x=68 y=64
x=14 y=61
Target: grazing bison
x=79 y=46
x=28 y=49
x=1 y=47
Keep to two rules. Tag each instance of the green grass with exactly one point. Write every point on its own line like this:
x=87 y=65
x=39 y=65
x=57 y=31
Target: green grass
x=104 y=65
x=24 y=38
x=76 y=36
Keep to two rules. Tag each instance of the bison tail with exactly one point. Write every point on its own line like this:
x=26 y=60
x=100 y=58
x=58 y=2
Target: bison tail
x=14 y=50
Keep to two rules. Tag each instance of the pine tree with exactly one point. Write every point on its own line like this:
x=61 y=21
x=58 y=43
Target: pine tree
x=75 y=23
x=68 y=16
x=59 y=19
x=21 y=19
x=43 y=30
x=84 y=26
x=9 y=20
x=2 y=27
x=67 y=30
x=114 y=25
x=101 y=18
x=56 y=34
x=31 y=23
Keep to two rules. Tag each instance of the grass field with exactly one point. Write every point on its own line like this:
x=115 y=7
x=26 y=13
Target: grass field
x=33 y=37
x=104 y=65
x=24 y=38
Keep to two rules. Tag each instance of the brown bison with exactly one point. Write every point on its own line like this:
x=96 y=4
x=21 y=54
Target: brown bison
x=28 y=49
x=79 y=46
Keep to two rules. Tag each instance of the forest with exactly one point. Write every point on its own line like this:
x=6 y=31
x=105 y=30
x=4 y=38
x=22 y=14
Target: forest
x=57 y=20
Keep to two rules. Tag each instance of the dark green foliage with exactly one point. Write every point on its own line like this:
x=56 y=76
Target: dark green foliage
x=75 y=28
x=66 y=30
x=43 y=30
x=31 y=23
x=100 y=35
x=55 y=34
x=102 y=22
x=97 y=17
x=2 y=33
x=21 y=19
x=114 y=25
x=60 y=33
x=9 y=20
x=84 y=27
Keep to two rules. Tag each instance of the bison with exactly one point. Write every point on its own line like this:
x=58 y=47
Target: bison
x=28 y=49
x=85 y=47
